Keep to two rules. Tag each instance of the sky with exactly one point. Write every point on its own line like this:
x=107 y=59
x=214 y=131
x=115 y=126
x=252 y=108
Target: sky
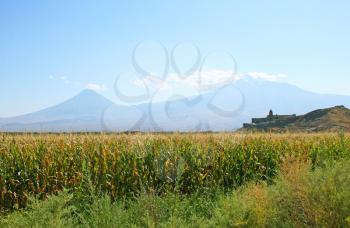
x=52 y=50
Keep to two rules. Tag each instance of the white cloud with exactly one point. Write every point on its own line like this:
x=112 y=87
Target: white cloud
x=266 y=76
x=96 y=87
x=64 y=79
x=211 y=79
x=67 y=81
x=153 y=83
x=200 y=81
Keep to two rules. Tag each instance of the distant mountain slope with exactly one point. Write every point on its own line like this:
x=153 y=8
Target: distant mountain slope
x=262 y=95
x=330 y=119
x=229 y=107
x=223 y=109
x=87 y=103
x=82 y=112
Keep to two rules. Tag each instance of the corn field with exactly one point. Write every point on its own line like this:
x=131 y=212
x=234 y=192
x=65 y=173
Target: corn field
x=125 y=165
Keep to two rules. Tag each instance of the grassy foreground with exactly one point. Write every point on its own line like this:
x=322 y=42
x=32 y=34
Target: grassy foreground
x=196 y=180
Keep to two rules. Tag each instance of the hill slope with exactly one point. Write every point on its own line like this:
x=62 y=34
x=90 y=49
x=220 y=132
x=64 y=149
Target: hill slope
x=330 y=119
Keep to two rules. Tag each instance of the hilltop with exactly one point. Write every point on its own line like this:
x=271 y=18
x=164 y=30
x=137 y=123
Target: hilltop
x=329 y=119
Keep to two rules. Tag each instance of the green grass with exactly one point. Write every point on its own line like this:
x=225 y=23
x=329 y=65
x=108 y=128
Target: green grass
x=299 y=198
x=175 y=180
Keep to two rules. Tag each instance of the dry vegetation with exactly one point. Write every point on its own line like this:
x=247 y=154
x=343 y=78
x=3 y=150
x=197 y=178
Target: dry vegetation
x=231 y=179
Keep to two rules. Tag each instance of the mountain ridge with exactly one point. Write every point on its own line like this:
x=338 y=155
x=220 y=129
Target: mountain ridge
x=69 y=106
x=86 y=107
x=223 y=109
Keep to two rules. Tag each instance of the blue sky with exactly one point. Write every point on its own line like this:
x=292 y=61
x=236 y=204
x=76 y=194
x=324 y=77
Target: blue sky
x=51 y=50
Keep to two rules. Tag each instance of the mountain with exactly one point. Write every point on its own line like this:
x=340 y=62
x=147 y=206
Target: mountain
x=80 y=113
x=226 y=108
x=330 y=119
x=229 y=107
